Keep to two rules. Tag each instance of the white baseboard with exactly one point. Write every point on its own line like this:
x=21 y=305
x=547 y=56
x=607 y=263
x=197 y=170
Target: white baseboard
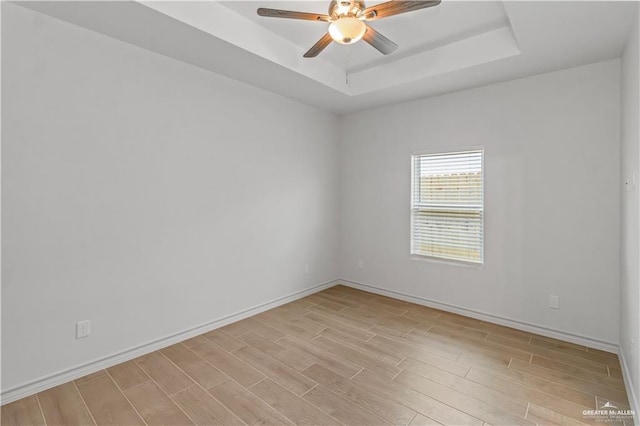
x=495 y=319
x=55 y=379
x=634 y=404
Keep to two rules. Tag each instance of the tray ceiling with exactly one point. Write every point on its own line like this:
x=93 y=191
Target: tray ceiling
x=453 y=46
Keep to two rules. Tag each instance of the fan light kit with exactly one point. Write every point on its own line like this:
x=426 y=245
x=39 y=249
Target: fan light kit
x=348 y=22
x=347 y=30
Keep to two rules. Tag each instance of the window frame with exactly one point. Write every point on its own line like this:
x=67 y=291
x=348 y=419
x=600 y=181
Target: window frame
x=438 y=259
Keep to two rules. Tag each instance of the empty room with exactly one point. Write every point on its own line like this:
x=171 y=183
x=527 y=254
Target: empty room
x=317 y=213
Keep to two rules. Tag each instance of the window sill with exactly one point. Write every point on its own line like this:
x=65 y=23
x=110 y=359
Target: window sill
x=451 y=262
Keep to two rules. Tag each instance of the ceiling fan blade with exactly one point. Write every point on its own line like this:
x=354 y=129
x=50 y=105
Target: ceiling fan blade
x=277 y=13
x=380 y=42
x=394 y=7
x=319 y=46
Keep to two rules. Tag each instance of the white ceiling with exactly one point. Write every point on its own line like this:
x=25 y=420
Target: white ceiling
x=453 y=46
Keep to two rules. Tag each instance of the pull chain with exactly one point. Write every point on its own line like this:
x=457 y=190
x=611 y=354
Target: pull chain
x=347 y=65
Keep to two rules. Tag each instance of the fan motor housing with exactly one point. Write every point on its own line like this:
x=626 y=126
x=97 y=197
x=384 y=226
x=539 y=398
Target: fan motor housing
x=339 y=8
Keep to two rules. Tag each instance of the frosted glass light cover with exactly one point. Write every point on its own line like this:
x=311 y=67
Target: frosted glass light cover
x=347 y=30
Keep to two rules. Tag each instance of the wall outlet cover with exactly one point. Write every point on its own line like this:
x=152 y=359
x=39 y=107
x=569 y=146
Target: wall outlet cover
x=83 y=329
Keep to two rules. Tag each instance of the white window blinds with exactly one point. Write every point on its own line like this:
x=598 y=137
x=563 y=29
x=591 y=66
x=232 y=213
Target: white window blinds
x=447 y=200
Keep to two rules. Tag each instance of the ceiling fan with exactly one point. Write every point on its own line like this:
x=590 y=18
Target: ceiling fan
x=347 y=22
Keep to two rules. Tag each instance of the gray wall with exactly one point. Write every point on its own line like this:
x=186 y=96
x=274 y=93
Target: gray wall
x=630 y=213
x=552 y=155
x=146 y=195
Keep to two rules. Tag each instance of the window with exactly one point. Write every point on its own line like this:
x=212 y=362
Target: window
x=447 y=200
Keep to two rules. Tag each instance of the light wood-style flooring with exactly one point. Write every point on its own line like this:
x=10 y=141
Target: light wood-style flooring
x=342 y=356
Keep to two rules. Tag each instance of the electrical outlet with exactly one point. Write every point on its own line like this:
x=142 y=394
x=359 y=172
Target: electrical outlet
x=306 y=269
x=361 y=264
x=554 y=302
x=631 y=181
x=83 y=329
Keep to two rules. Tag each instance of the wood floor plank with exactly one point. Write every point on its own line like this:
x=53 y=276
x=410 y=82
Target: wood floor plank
x=195 y=341
x=471 y=353
x=479 y=409
x=202 y=372
x=203 y=408
x=517 y=390
x=423 y=404
x=548 y=353
x=276 y=351
x=291 y=406
x=297 y=319
x=284 y=327
x=298 y=307
x=375 y=305
x=404 y=323
x=341 y=326
x=493 y=329
x=430 y=355
x=616 y=372
x=465 y=386
x=169 y=377
x=341 y=409
x=362 y=396
x=229 y=364
x=326 y=303
x=389 y=301
x=90 y=376
x=517 y=377
x=545 y=416
x=246 y=406
x=422 y=313
x=458 y=331
x=377 y=352
x=320 y=356
x=341 y=300
x=224 y=340
x=479 y=345
x=420 y=420
x=485 y=360
x=597 y=351
x=350 y=320
x=422 y=337
x=391 y=320
x=23 y=412
x=107 y=404
x=358 y=357
x=285 y=376
x=384 y=330
x=365 y=314
x=579 y=372
x=413 y=349
x=570 y=381
x=547 y=342
x=576 y=351
x=128 y=374
x=63 y=405
x=261 y=328
x=235 y=329
x=155 y=407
